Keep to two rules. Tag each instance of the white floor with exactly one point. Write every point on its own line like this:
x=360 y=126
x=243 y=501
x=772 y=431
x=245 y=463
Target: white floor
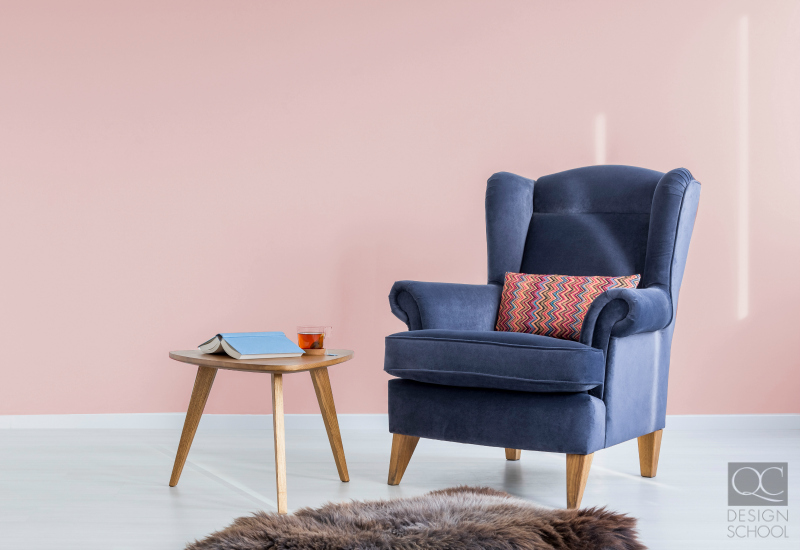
x=107 y=489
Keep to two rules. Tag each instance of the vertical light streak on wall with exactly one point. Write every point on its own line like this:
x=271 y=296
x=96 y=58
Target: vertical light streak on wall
x=600 y=138
x=743 y=230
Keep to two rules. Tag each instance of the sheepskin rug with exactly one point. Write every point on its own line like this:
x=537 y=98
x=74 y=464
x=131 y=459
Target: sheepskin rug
x=460 y=518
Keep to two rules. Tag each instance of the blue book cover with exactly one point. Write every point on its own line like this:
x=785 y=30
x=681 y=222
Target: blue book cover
x=252 y=345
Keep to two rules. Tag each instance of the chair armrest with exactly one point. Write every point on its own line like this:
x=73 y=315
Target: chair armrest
x=445 y=305
x=625 y=311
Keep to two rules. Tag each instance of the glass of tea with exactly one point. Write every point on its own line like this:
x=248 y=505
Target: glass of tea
x=312 y=337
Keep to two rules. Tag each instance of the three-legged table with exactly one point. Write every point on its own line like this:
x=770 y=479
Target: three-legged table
x=316 y=365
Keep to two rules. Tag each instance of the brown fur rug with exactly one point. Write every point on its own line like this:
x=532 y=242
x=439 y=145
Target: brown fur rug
x=463 y=518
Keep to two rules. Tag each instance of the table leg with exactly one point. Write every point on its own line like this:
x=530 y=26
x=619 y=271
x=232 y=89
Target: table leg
x=202 y=387
x=280 y=441
x=322 y=386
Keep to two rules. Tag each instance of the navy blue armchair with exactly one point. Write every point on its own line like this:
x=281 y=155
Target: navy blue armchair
x=460 y=380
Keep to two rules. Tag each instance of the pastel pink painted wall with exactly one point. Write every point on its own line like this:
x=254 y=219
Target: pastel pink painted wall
x=169 y=170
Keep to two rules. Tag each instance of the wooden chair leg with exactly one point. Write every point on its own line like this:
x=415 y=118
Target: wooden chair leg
x=280 y=441
x=513 y=454
x=202 y=387
x=322 y=386
x=402 y=448
x=649 y=449
x=577 y=474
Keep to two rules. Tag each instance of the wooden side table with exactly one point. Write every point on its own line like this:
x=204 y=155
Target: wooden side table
x=316 y=365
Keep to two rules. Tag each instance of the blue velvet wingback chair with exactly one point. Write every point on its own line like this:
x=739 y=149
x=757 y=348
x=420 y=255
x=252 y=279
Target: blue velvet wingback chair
x=460 y=380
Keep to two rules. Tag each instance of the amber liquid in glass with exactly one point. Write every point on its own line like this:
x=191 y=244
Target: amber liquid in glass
x=310 y=340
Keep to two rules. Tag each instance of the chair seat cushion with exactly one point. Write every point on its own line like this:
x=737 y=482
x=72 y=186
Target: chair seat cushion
x=500 y=360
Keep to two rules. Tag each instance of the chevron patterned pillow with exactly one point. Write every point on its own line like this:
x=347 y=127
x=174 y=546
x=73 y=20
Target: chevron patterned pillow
x=552 y=305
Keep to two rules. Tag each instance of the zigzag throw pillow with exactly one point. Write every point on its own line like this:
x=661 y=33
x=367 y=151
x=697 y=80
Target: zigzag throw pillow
x=552 y=305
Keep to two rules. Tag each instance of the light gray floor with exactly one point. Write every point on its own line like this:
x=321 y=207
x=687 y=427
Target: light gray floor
x=107 y=489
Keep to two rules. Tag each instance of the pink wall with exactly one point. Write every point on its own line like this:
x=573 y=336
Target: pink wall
x=174 y=169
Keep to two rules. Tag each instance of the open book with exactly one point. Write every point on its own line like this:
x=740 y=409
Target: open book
x=252 y=345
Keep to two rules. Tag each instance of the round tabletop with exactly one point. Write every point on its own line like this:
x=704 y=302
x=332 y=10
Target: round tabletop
x=283 y=364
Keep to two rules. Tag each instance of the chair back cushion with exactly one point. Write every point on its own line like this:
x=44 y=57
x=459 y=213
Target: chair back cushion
x=552 y=305
x=590 y=221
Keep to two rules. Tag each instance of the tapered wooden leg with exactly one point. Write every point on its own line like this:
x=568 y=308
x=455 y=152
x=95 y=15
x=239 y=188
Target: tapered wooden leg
x=202 y=387
x=280 y=441
x=402 y=448
x=322 y=386
x=513 y=454
x=577 y=474
x=649 y=449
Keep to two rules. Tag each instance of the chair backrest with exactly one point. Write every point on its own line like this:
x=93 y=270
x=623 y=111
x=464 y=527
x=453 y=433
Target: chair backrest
x=597 y=220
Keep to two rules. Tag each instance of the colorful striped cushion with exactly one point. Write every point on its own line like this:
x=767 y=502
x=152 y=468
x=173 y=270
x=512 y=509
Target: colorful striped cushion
x=552 y=305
